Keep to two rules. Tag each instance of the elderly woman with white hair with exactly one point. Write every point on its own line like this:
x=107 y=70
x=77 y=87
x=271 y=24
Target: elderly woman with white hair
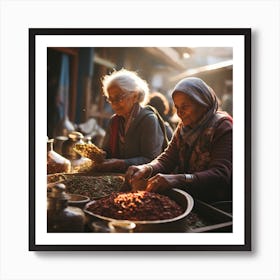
x=199 y=156
x=135 y=134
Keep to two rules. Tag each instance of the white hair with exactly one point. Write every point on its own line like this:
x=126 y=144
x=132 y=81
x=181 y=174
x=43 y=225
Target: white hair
x=128 y=81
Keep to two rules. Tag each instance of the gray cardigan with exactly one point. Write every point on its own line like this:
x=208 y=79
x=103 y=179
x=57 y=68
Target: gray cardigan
x=144 y=139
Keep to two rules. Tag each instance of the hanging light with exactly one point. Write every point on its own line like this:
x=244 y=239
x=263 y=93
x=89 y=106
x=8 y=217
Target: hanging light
x=186 y=55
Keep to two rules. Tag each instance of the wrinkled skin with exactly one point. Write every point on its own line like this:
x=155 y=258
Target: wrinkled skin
x=125 y=105
x=158 y=183
x=161 y=182
x=189 y=111
x=122 y=107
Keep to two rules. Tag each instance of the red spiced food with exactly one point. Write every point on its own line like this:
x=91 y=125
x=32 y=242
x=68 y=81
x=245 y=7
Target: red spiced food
x=136 y=206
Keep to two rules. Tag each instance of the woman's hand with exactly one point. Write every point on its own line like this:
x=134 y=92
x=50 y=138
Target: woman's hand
x=111 y=165
x=162 y=182
x=137 y=173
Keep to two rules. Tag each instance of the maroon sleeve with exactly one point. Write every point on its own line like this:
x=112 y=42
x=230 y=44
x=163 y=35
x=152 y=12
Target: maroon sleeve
x=168 y=160
x=216 y=181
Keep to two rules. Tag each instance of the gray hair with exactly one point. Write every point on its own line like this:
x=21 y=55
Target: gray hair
x=128 y=81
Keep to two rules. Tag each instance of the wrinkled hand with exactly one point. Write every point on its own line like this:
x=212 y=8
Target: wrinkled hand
x=137 y=173
x=162 y=182
x=111 y=165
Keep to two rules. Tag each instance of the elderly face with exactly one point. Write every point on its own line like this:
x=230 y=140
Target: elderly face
x=189 y=111
x=121 y=102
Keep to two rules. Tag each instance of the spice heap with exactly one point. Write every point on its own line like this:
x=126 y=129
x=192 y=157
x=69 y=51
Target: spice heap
x=56 y=178
x=136 y=206
x=93 y=186
x=90 y=151
x=57 y=163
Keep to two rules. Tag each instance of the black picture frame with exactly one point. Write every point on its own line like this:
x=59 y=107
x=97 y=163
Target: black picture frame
x=37 y=33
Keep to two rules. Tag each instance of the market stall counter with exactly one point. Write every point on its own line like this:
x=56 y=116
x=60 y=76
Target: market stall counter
x=112 y=207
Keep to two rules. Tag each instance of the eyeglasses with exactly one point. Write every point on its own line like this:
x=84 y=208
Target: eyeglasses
x=117 y=100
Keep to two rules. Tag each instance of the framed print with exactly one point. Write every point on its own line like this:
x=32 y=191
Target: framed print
x=68 y=105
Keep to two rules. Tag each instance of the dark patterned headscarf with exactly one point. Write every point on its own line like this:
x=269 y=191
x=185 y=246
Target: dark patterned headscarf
x=200 y=92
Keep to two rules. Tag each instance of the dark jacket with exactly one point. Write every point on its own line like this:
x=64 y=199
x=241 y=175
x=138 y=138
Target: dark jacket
x=144 y=139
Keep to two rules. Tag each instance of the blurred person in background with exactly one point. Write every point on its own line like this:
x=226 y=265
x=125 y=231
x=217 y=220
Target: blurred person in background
x=160 y=103
x=135 y=134
x=199 y=157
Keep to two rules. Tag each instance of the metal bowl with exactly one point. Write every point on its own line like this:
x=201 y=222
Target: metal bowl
x=177 y=224
x=77 y=200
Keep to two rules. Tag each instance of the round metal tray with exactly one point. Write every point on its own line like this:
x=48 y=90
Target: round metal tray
x=176 y=224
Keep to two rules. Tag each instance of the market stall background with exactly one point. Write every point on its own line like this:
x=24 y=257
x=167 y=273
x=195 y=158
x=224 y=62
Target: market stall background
x=74 y=76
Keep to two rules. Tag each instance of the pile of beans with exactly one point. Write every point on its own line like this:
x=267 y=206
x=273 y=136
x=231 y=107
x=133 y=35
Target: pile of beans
x=136 y=206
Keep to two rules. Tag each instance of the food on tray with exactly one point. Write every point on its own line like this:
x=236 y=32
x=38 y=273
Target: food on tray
x=55 y=178
x=136 y=206
x=57 y=164
x=82 y=165
x=194 y=221
x=90 y=151
x=93 y=186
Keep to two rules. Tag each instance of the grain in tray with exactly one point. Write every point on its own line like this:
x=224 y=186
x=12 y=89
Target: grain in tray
x=94 y=187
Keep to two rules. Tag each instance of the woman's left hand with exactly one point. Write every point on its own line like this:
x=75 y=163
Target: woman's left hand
x=162 y=182
x=111 y=165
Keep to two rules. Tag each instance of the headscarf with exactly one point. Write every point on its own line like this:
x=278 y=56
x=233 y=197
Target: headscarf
x=199 y=91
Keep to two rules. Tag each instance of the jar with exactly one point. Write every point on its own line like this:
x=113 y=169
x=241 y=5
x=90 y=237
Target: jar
x=60 y=216
x=113 y=226
x=58 y=142
x=55 y=162
x=121 y=226
x=88 y=139
x=68 y=145
x=78 y=163
x=100 y=226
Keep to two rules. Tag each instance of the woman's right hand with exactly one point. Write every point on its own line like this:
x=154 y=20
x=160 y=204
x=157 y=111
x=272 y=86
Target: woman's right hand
x=136 y=173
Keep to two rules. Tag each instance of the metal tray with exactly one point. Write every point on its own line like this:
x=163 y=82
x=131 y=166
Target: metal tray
x=206 y=218
x=176 y=224
x=61 y=177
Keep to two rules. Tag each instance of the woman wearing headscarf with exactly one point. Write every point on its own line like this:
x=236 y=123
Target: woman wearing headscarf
x=135 y=134
x=199 y=156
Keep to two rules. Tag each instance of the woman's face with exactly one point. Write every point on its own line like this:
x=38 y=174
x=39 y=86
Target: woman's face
x=121 y=102
x=189 y=111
